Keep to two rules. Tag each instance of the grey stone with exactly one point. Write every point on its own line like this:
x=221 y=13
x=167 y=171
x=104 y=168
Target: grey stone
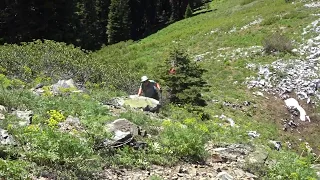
x=253 y=134
x=224 y=176
x=6 y=138
x=316 y=167
x=3 y=109
x=25 y=116
x=123 y=125
x=2 y=117
x=71 y=123
x=259 y=156
x=239 y=173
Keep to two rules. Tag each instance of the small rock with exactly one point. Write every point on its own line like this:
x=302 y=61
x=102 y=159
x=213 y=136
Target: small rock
x=5 y=137
x=183 y=170
x=2 y=117
x=316 y=167
x=3 y=109
x=239 y=173
x=251 y=176
x=253 y=134
x=224 y=176
x=193 y=172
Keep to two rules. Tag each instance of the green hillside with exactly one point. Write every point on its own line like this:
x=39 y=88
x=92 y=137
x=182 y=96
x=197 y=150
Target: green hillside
x=230 y=40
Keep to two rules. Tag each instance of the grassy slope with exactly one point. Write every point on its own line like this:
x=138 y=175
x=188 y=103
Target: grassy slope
x=194 y=35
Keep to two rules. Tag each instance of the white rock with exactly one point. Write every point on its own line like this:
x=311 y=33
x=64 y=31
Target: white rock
x=3 y=109
x=224 y=176
x=2 y=117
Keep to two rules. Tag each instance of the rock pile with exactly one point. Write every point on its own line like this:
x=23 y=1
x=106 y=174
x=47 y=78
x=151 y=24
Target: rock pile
x=296 y=75
x=224 y=163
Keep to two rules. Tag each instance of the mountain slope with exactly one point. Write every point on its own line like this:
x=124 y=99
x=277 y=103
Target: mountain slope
x=67 y=135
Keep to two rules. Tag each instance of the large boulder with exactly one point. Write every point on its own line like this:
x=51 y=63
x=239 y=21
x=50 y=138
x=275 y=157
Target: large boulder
x=64 y=84
x=124 y=133
x=135 y=102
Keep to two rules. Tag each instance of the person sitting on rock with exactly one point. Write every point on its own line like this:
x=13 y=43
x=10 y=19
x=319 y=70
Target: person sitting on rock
x=149 y=88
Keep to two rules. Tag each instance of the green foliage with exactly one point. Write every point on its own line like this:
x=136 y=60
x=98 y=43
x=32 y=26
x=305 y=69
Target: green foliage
x=188 y=12
x=277 y=43
x=55 y=118
x=186 y=84
x=14 y=169
x=291 y=166
x=271 y=20
x=244 y=2
x=48 y=59
x=119 y=23
x=185 y=141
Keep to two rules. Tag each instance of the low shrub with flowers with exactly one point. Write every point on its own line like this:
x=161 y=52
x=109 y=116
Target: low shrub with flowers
x=55 y=118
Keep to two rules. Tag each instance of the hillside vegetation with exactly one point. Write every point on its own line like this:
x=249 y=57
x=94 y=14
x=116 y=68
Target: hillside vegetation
x=229 y=39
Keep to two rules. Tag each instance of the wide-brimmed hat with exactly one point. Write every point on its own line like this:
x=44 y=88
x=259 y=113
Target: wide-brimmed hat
x=144 y=78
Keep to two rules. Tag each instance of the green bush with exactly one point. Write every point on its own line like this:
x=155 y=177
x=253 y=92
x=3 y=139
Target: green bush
x=14 y=169
x=48 y=58
x=277 y=43
x=291 y=166
x=270 y=20
x=185 y=140
x=48 y=61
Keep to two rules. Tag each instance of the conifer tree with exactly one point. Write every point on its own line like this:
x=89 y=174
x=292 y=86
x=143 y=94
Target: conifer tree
x=119 y=23
x=188 y=12
x=184 y=79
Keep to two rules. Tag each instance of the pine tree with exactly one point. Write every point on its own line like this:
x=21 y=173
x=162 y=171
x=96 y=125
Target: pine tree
x=188 y=12
x=184 y=79
x=119 y=23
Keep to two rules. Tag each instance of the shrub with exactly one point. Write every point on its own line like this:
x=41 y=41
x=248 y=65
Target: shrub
x=185 y=141
x=270 y=20
x=277 y=43
x=291 y=166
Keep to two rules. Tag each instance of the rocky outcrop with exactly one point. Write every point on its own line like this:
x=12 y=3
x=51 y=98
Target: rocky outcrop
x=300 y=76
x=61 y=87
